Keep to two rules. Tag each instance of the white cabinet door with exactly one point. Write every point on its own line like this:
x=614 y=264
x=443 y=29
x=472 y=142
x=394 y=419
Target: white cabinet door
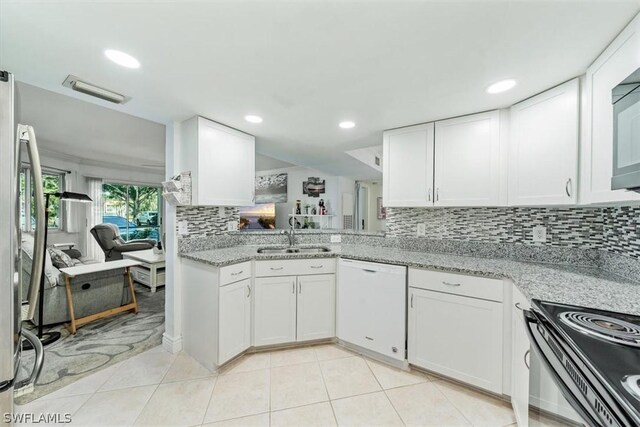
x=543 y=148
x=408 y=166
x=617 y=61
x=456 y=336
x=235 y=320
x=520 y=360
x=275 y=310
x=468 y=161
x=226 y=166
x=316 y=307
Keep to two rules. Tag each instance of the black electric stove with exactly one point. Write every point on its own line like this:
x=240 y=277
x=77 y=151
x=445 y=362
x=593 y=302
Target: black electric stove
x=594 y=357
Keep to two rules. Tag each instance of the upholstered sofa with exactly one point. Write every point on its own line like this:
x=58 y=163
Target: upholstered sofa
x=92 y=293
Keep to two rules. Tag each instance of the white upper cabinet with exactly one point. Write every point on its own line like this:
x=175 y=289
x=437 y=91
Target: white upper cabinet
x=468 y=161
x=543 y=148
x=620 y=59
x=221 y=161
x=408 y=166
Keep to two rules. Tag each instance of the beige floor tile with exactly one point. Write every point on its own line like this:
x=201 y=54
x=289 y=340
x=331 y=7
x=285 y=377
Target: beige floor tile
x=331 y=351
x=297 y=385
x=292 y=356
x=373 y=409
x=144 y=369
x=316 y=415
x=537 y=419
x=424 y=405
x=64 y=406
x=239 y=395
x=348 y=377
x=247 y=363
x=87 y=385
x=177 y=404
x=185 y=368
x=389 y=377
x=113 y=408
x=261 y=420
x=480 y=409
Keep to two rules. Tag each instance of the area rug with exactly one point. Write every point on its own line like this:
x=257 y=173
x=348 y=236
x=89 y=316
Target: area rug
x=97 y=345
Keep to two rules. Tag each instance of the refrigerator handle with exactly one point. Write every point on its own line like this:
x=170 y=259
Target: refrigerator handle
x=27 y=135
x=26 y=385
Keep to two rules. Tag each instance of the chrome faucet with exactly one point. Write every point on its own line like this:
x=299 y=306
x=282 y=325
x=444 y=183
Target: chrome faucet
x=291 y=234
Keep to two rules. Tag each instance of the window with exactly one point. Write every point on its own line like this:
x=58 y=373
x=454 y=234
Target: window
x=53 y=183
x=135 y=209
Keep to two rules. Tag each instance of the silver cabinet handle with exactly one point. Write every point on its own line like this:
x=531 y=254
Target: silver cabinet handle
x=450 y=284
x=411 y=300
x=567 y=187
x=437 y=194
x=293 y=288
x=276 y=268
x=518 y=306
x=248 y=291
x=317 y=266
x=239 y=272
x=299 y=288
x=528 y=353
x=429 y=194
x=369 y=271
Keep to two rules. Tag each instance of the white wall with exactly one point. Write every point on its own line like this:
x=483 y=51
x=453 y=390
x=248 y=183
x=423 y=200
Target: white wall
x=334 y=187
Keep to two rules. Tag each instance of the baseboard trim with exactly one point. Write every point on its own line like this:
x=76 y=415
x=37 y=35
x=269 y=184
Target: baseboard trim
x=171 y=344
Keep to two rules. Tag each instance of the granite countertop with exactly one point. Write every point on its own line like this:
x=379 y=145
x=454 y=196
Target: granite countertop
x=582 y=286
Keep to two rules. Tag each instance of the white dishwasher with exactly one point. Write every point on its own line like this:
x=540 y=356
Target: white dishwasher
x=371 y=306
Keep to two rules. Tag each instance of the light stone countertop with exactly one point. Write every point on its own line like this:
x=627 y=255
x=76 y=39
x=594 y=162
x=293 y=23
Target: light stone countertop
x=581 y=286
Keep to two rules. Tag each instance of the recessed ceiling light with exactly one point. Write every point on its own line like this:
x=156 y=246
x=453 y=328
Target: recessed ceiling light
x=122 y=58
x=253 y=119
x=347 y=125
x=501 y=86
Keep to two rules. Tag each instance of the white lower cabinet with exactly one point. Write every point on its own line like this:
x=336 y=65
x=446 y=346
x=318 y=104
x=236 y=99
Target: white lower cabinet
x=235 y=320
x=297 y=307
x=316 y=307
x=520 y=360
x=275 y=310
x=455 y=335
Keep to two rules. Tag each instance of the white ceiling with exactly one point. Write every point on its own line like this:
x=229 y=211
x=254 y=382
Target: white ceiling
x=304 y=66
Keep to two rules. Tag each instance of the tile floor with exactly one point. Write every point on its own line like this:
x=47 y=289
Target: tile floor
x=322 y=385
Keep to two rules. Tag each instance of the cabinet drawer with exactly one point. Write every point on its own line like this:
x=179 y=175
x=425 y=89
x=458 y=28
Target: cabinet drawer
x=140 y=275
x=295 y=267
x=457 y=284
x=235 y=272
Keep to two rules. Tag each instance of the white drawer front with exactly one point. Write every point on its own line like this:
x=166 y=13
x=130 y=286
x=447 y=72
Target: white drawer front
x=457 y=284
x=295 y=267
x=235 y=272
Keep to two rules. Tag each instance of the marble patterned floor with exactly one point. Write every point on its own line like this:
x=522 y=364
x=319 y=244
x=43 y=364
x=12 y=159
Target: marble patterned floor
x=323 y=385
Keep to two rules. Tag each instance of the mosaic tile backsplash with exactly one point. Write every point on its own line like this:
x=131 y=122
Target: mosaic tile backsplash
x=205 y=221
x=612 y=229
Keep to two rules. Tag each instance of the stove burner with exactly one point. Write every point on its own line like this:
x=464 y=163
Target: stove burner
x=606 y=328
x=630 y=383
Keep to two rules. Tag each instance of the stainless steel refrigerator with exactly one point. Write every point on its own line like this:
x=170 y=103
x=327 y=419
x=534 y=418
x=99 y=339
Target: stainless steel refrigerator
x=15 y=138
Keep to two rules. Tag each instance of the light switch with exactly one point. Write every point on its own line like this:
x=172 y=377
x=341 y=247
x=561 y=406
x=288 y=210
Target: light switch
x=336 y=238
x=183 y=229
x=232 y=226
x=539 y=233
x=421 y=229
x=222 y=212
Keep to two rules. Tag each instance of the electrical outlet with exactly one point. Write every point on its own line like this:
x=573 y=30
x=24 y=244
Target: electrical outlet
x=539 y=233
x=232 y=226
x=421 y=229
x=182 y=228
x=336 y=238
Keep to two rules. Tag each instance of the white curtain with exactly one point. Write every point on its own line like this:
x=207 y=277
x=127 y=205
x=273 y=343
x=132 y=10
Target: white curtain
x=94 y=186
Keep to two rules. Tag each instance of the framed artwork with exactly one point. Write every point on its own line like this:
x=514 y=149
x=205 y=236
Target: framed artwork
x=382 y=211
x=313 y=187
x=271 y=188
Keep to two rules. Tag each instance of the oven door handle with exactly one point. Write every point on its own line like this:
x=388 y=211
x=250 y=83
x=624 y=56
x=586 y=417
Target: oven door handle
x=531 y=321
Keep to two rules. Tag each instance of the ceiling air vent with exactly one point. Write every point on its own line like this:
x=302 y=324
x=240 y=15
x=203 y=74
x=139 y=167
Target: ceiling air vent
x=90 y=89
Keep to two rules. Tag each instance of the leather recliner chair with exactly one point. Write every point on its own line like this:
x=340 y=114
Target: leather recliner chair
x=108 y=237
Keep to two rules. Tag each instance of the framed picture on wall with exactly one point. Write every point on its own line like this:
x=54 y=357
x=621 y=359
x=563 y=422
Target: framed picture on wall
x=313 y=187
x=382 y=211
x=271 y=188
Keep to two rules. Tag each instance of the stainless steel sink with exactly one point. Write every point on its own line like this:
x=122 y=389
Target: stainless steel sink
x=295 y=250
